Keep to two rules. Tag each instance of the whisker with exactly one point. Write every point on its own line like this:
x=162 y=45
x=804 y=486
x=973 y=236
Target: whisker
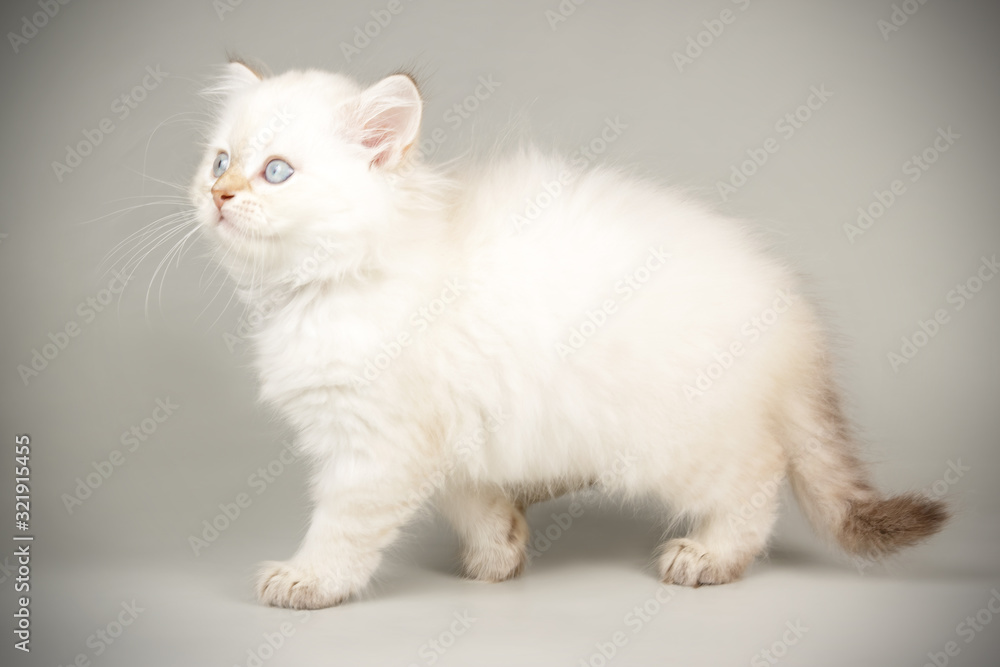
x=246 y=259
x=163 y=238
x=180 y=254
x=139 y=237
x=176 y=186
x=178 y=200
x=218 y=266
x=135 y=260
x=137 y=245
x=152 y=134
x=165 y=265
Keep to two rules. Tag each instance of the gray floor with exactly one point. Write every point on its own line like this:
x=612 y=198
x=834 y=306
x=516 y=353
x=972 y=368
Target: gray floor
x=126 y=549
x=591 y=583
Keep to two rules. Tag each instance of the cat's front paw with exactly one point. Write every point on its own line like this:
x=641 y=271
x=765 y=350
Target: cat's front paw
x=297 y=586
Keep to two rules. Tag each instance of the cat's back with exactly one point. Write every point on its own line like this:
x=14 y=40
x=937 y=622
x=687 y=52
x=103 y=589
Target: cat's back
x=545 y=231
x=534 y=199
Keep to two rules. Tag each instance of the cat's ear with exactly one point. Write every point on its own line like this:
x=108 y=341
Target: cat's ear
x=237 y=76
x=385 y=119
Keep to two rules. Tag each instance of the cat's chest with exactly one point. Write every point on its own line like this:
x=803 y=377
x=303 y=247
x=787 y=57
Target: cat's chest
x=316 y=351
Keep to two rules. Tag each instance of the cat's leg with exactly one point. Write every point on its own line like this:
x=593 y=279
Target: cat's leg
x=493 y=530
x=361 y=502
x=726 y=537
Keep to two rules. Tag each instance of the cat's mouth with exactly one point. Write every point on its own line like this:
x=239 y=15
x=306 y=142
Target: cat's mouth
x=228 y=228
x=222 y=221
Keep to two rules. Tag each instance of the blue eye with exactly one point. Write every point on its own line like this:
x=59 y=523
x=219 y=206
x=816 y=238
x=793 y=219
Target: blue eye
x=277 y=171
x=221 y=164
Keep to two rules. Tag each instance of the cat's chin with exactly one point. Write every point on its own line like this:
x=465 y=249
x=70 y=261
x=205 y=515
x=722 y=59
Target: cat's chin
x=226 y=227
x=229 y=231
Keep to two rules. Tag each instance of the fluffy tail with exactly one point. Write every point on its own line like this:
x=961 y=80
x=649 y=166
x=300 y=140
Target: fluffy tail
x=831 y=484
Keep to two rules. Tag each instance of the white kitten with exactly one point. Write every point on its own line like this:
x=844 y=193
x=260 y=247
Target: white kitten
x=428 y=341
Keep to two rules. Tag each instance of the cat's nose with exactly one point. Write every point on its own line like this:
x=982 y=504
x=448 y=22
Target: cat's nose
x=228 y=185
x=221 y=196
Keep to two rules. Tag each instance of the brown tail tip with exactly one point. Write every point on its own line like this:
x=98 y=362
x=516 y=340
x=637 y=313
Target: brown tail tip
x=878 y=528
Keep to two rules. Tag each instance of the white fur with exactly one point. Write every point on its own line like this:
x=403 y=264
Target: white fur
x=481 y=405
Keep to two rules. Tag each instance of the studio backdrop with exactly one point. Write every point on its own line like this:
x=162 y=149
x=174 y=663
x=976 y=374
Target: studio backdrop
x=859 y=137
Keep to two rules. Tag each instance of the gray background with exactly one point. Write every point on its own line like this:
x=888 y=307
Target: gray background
x=129 y=540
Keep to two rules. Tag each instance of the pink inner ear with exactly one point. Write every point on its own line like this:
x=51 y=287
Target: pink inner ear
x=379 y=137
x=388 y=121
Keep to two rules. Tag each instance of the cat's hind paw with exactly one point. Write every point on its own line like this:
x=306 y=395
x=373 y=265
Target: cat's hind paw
x=502 y=558
x=688 y=563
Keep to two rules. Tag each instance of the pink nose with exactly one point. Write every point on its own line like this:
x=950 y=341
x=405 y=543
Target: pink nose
x=221 y=196
x=228 y=185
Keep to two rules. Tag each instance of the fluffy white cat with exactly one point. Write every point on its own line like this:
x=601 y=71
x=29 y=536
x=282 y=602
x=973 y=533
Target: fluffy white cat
x=430 y=342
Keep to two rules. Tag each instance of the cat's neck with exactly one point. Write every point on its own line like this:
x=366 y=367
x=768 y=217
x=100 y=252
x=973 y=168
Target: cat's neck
x=416 y=259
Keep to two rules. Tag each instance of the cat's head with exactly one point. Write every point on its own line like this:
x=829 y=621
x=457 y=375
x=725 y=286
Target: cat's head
x=299 y=170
